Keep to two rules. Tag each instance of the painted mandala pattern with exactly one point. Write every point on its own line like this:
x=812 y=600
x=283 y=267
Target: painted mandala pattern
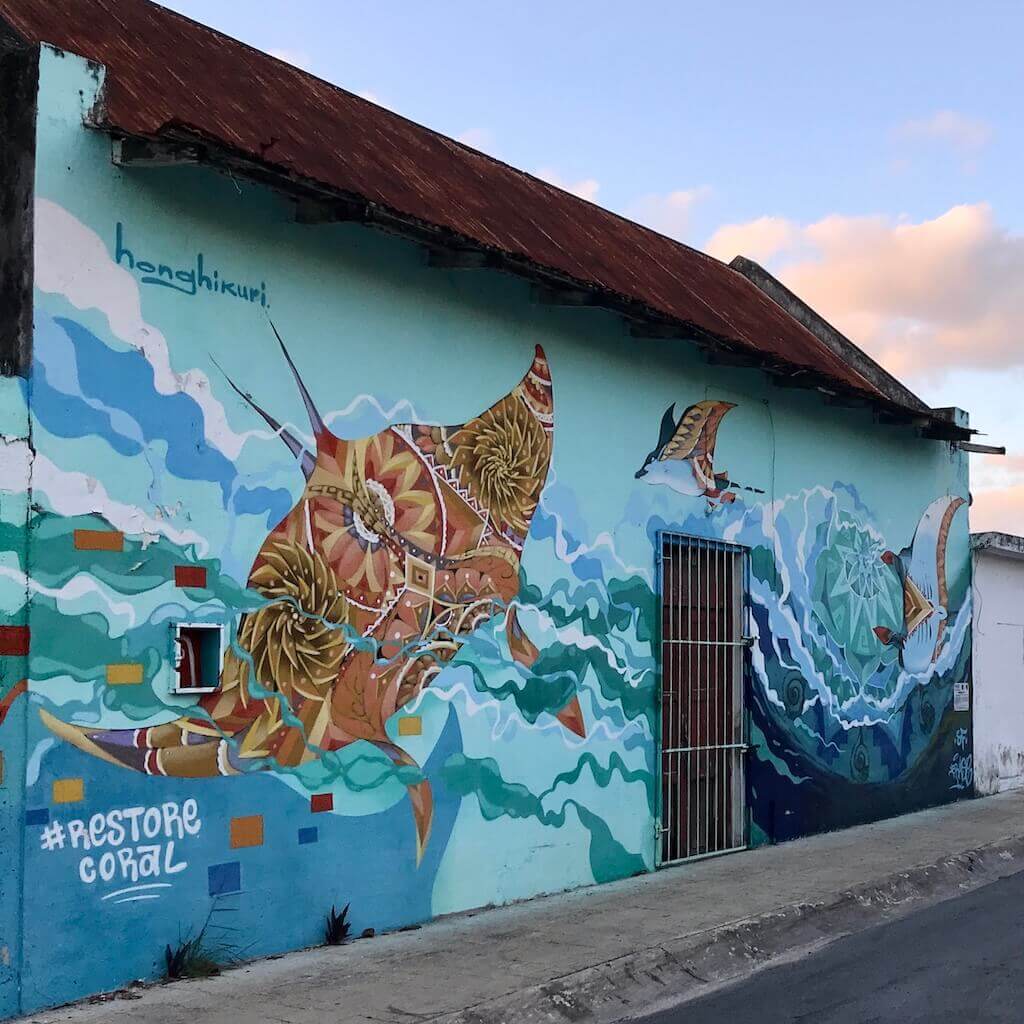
x=853 y=593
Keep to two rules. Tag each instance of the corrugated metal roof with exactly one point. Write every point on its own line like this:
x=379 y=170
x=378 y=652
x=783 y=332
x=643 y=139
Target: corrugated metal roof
x=167 y=74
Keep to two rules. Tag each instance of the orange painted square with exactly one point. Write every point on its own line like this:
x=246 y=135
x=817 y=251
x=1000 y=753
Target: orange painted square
x=247 y=831
x=68 y=791
x=99 y=540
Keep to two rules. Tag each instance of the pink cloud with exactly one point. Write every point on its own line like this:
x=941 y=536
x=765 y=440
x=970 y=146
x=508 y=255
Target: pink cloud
x=919 y=296
x=999 y=509
x=759 y=239
x=670 y=212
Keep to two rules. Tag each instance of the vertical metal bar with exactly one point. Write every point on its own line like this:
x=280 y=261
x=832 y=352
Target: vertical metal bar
x=669 y=703
x=692 y=568
x=659 y=836
x=671 y=837
x=698 y=820
x=707 y=693
x=671 y=780
x=719 y=703
x=727 y=699
x=740 y=611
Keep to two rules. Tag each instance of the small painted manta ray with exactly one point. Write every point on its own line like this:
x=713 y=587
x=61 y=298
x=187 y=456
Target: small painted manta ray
x=684 y=456
x=921 y=568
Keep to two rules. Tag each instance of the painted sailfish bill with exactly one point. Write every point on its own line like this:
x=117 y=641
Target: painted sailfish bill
x=683 y=458
x=921 y=568
x=399 y=546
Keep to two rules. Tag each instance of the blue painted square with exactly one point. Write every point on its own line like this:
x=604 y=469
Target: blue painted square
x=225 y=878
x=37 y=816
x=309 y=835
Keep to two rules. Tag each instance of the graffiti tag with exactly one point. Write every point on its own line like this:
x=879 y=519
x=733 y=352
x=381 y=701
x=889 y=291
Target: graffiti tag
x=137 y=842
x=187 y=280
x=961 y=770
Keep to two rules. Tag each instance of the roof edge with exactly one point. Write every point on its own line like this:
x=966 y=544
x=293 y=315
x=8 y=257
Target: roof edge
x=1005 y=545
x=828 y=335
x=182 y=143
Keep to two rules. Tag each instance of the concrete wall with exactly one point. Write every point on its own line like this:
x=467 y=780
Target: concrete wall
x=998 y=671
x=467 y=707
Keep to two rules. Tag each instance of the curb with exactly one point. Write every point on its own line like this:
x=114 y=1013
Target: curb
x=695 y=964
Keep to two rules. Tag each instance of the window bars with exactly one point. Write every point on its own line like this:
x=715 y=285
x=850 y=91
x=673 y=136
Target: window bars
x=703 y=642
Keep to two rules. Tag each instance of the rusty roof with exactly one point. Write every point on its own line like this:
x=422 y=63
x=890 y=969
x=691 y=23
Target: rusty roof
x=169 y=76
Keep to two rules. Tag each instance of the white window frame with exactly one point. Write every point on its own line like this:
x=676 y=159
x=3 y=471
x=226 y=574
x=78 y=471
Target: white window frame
x=176 y=628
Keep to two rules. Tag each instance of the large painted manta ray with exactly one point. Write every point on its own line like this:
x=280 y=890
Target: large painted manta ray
x=400 y=545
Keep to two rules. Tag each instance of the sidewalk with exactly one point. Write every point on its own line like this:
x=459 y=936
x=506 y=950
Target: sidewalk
x=608 y=952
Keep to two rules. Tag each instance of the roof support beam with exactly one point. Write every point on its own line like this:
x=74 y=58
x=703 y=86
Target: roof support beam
x=461 y=259
x=327 y=211
x=981 y=449
x=552 y=296
x=658 y=331
x=726 y=357
x=144 y=153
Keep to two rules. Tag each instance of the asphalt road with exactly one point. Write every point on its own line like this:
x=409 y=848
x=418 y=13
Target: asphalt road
x=958 y=960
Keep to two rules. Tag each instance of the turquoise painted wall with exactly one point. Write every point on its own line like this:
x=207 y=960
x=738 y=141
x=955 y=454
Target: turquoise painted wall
x=491 y=767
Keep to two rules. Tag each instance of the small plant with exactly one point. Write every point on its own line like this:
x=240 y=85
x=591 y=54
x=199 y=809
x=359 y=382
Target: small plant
x=191 y=958
x=338 y=927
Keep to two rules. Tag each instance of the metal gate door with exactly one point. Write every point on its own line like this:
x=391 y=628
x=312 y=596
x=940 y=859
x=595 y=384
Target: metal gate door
x=703 y=613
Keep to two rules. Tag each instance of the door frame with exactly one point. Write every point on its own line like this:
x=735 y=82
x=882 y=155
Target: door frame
x=743 y=551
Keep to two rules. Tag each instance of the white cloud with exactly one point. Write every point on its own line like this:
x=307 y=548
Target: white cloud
x=75 y=494
x=299 y=58
x=585 y=188
x=72 y=260
x=478 y=138
x=920 y=296
x=668 y=213
x=967 y=135
x=367 y=94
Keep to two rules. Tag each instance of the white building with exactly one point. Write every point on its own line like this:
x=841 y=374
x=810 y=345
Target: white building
x=998 y=662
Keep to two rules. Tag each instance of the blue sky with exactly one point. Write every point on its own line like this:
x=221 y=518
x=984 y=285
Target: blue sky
x=870 y=156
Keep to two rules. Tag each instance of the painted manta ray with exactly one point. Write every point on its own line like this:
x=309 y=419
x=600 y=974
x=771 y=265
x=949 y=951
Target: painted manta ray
x=921 y=569
x=400 y=546
x=684 y=456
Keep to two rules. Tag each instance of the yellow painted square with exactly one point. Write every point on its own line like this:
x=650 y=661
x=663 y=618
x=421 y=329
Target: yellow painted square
x=247 y=831
x=126 y=674
x=410 y=725
x=68 y=791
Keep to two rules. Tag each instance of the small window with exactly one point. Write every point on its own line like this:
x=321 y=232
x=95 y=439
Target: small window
x=197 y=657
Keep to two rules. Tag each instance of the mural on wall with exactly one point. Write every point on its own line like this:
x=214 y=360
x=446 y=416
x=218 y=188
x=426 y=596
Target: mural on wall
x=400 y=545
x=459 y=619
x=921 y=570
x=684 y=456
x=856 y=649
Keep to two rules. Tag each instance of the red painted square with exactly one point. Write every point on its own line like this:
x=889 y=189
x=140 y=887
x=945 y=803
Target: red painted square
x=319 y=802
x=14 y=641
x=189 y=576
